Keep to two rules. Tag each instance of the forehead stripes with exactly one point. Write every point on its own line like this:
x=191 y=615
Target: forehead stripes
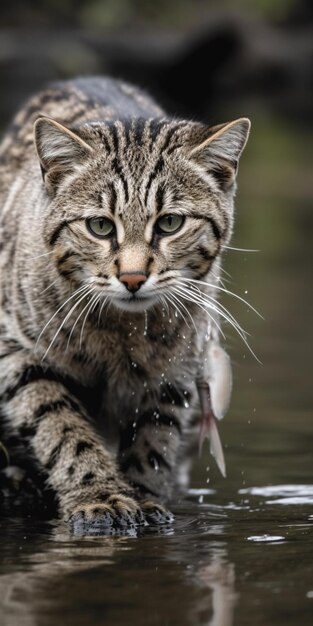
x=116 y=163
x=154 y=136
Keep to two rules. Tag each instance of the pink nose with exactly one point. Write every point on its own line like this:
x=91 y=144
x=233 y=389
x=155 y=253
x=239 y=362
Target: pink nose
x=132 y=280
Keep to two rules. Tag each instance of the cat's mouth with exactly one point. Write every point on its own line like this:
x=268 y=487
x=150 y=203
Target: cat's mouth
x=134 y=303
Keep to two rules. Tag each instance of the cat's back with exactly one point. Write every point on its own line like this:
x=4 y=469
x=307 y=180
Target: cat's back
x=71 y=102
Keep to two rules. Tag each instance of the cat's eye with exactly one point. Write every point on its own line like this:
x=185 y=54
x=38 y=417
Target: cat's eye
x=100 y=226
x=168 y=224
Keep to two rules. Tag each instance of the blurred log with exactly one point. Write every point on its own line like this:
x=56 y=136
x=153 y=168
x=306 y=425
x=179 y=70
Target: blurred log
x=227 y=66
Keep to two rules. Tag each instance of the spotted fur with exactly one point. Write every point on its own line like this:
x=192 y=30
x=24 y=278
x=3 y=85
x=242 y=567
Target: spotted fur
x=97 y=380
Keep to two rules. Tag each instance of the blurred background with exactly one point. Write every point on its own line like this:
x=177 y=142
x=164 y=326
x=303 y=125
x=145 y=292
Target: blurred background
x=209 y=60
x=215 y=60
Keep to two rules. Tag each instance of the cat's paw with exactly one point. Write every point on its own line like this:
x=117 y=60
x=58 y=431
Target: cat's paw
x=118 y=511
x=156 y=513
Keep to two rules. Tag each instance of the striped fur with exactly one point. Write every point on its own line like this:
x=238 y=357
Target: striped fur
x=97 y=383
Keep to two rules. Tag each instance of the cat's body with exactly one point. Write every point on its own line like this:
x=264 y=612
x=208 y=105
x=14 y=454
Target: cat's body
x=98 y=358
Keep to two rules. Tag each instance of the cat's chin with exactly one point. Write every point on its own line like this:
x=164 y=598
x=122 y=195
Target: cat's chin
x=133 y=305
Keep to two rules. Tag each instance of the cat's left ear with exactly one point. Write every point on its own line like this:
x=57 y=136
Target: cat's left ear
x=219 y=153
x=59 y=150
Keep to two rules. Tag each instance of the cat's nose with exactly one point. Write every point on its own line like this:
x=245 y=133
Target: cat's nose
x=132 y=280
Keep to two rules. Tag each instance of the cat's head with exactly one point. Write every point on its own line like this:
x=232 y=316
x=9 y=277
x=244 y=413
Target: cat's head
x=138 y=205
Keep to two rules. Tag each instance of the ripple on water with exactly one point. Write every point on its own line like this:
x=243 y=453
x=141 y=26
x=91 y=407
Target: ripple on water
x=283 y=494
x=266 y=538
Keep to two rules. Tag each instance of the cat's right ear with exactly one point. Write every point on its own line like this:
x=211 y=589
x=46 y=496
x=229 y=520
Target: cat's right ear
x=59 y=149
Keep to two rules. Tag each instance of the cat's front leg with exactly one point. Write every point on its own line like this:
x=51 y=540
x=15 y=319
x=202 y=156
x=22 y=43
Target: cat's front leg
x=150 y=443
x=51 y=424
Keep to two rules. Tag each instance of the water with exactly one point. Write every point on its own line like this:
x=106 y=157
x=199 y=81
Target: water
x=241 y=548
x=223 y=561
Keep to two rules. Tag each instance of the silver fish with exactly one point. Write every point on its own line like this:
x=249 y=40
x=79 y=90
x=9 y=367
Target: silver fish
x=214 y=400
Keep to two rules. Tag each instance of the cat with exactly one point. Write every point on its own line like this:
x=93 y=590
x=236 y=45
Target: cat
x=113 y=220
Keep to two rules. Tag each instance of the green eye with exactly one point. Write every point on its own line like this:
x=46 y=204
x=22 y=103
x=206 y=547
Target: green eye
x=100 y=226
x=169 y=224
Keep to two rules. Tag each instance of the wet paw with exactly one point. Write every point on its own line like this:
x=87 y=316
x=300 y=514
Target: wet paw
x=156 y=513
x=117 y=511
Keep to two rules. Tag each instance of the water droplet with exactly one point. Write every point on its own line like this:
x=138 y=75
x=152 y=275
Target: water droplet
x=136 y=410
x=246 y=290
x=134 y=364
x=145 y=330
x=200 y=499
x=186 y=404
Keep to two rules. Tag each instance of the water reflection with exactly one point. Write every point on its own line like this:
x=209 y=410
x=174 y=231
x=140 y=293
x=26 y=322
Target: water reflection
x=53 y=571
x=212 y=568
x=283 y=494
x=217 y=578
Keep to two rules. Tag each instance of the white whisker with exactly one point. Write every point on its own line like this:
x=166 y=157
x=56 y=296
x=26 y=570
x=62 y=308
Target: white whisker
x=77 y=292
x=32 y=258
x=81 y=298
x=102 y=307
x=79 y=316
x=240 y=249
x=164 y=304
x=187 y=296
x=92 y=302
x=225 y=272
x=176 y=307
x=229 y=293
x=46 y=289
x=214 y=304
x=184 y=308
x=221 y=310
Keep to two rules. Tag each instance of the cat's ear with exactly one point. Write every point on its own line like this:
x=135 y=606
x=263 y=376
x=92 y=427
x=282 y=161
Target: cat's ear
x=59 y=150
x=219 y=153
